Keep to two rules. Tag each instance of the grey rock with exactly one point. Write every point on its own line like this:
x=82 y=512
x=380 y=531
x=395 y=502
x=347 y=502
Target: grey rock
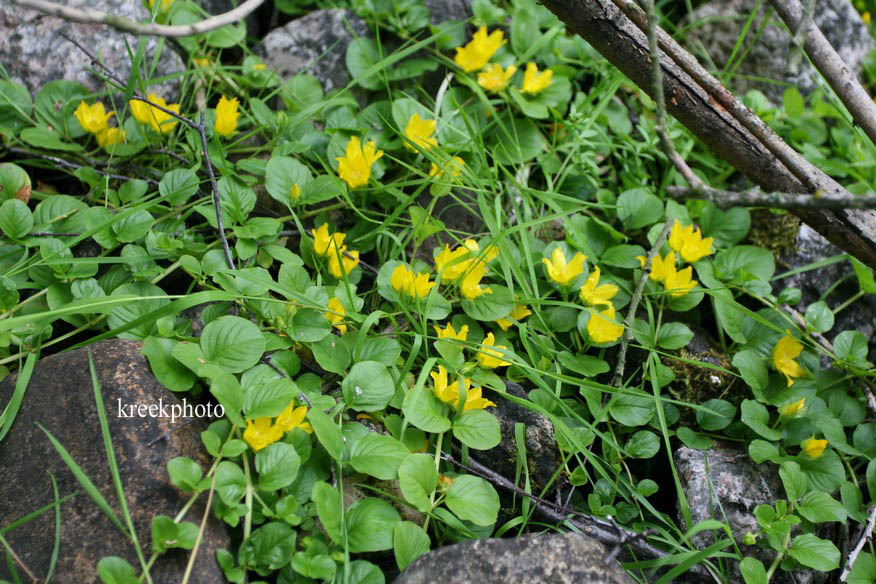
x=315 y=44
x=812 y=247
x=718 y=25
x=733 y=486
x=532 y=559
x=443 y=10
x=542 y=455
x=33 y=53
x=60 y=397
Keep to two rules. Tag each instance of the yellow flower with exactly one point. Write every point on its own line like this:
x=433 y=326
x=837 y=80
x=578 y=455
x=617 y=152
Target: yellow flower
x=165 y=5
x=455 y=164
x=491 y=358
x=561 y=272
x=470 y=286
x=355 y=167
x=323 y=243
x=494 y=78
x=602 y=328
x=226 y=116
x=259 y=67
x=658 y=265
x=110 y=137
x=477 y=53
x=787 y=349
x=689 y=243
x=535 y=82
x=813 y=448
x=678 y=283
x=518 y=313
x=336 y=314
x=419 y=132
x=201 y=61
x=594 y=294
x=451 y=264
x=343 y=262
x=450 y=333
x=261 y=433
x=792 y=409
x=293 y=417
x=406 y=281
x=160 y=121
x=294 y=193
x=93 y=118
x=449 y=394
x=866 y=18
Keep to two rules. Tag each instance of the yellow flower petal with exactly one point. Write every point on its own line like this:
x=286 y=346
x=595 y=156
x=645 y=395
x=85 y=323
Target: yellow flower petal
x=602 y=327
x=355 y=167
x=450 y=333
x=488 y=357
x=786 y=350
x=561 y=271
x=535 y=82
x=226 y=116
x=477 y=53
x=597 y=295
x=261 y=433
x=93 y=118
x=494 y=79
x=419 y=133
x=336 y=314
x=409 y=283
x=814 y=448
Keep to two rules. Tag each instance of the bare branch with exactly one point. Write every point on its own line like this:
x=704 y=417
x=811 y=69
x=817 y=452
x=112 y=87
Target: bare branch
x=839 y=75
x=604 y=531
x=142 y=28
x=731 y=131
x=216 y=203
x=634 y=305
x=865 y=537
x=757 y=198
x=660 y=101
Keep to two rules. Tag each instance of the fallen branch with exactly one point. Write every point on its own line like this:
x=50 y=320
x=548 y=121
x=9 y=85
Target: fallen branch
x=865 y=537
x=757 y=198
x=605 y=531
x=828 y=62
x=734 y=133
x=141 y=28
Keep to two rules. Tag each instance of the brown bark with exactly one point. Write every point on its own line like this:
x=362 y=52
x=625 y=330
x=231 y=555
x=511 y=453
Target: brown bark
x=705 y=114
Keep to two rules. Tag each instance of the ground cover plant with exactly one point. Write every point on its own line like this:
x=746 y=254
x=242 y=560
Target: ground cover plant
x=373 y=264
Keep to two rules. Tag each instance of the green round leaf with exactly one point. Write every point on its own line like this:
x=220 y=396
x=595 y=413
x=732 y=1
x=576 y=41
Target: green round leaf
x=473 y=499
x=368 y=387
x=16 y=220
x=233 y=343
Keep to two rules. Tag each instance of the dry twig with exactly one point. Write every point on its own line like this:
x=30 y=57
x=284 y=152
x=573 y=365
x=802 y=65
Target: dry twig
x=141 y=28
x=865 y=537
x=828 y=62
x=757 y=198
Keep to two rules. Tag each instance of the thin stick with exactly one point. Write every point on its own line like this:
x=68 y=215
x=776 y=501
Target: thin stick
x=602 y=530
x=839 y=76
x=804 y=171
x=216 y=203
x=800 y=37
x=660 y=100
x=865 y=537
x=267 y=361
x=207 y=509
x=634 y=305
x=142 y=28
x=757 y=198
x=69 y=164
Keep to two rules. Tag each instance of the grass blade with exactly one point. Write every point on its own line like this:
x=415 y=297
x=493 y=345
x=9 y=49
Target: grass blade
x=54 y=559
x=11 y=409
x=114 y=467
x=91 y=490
